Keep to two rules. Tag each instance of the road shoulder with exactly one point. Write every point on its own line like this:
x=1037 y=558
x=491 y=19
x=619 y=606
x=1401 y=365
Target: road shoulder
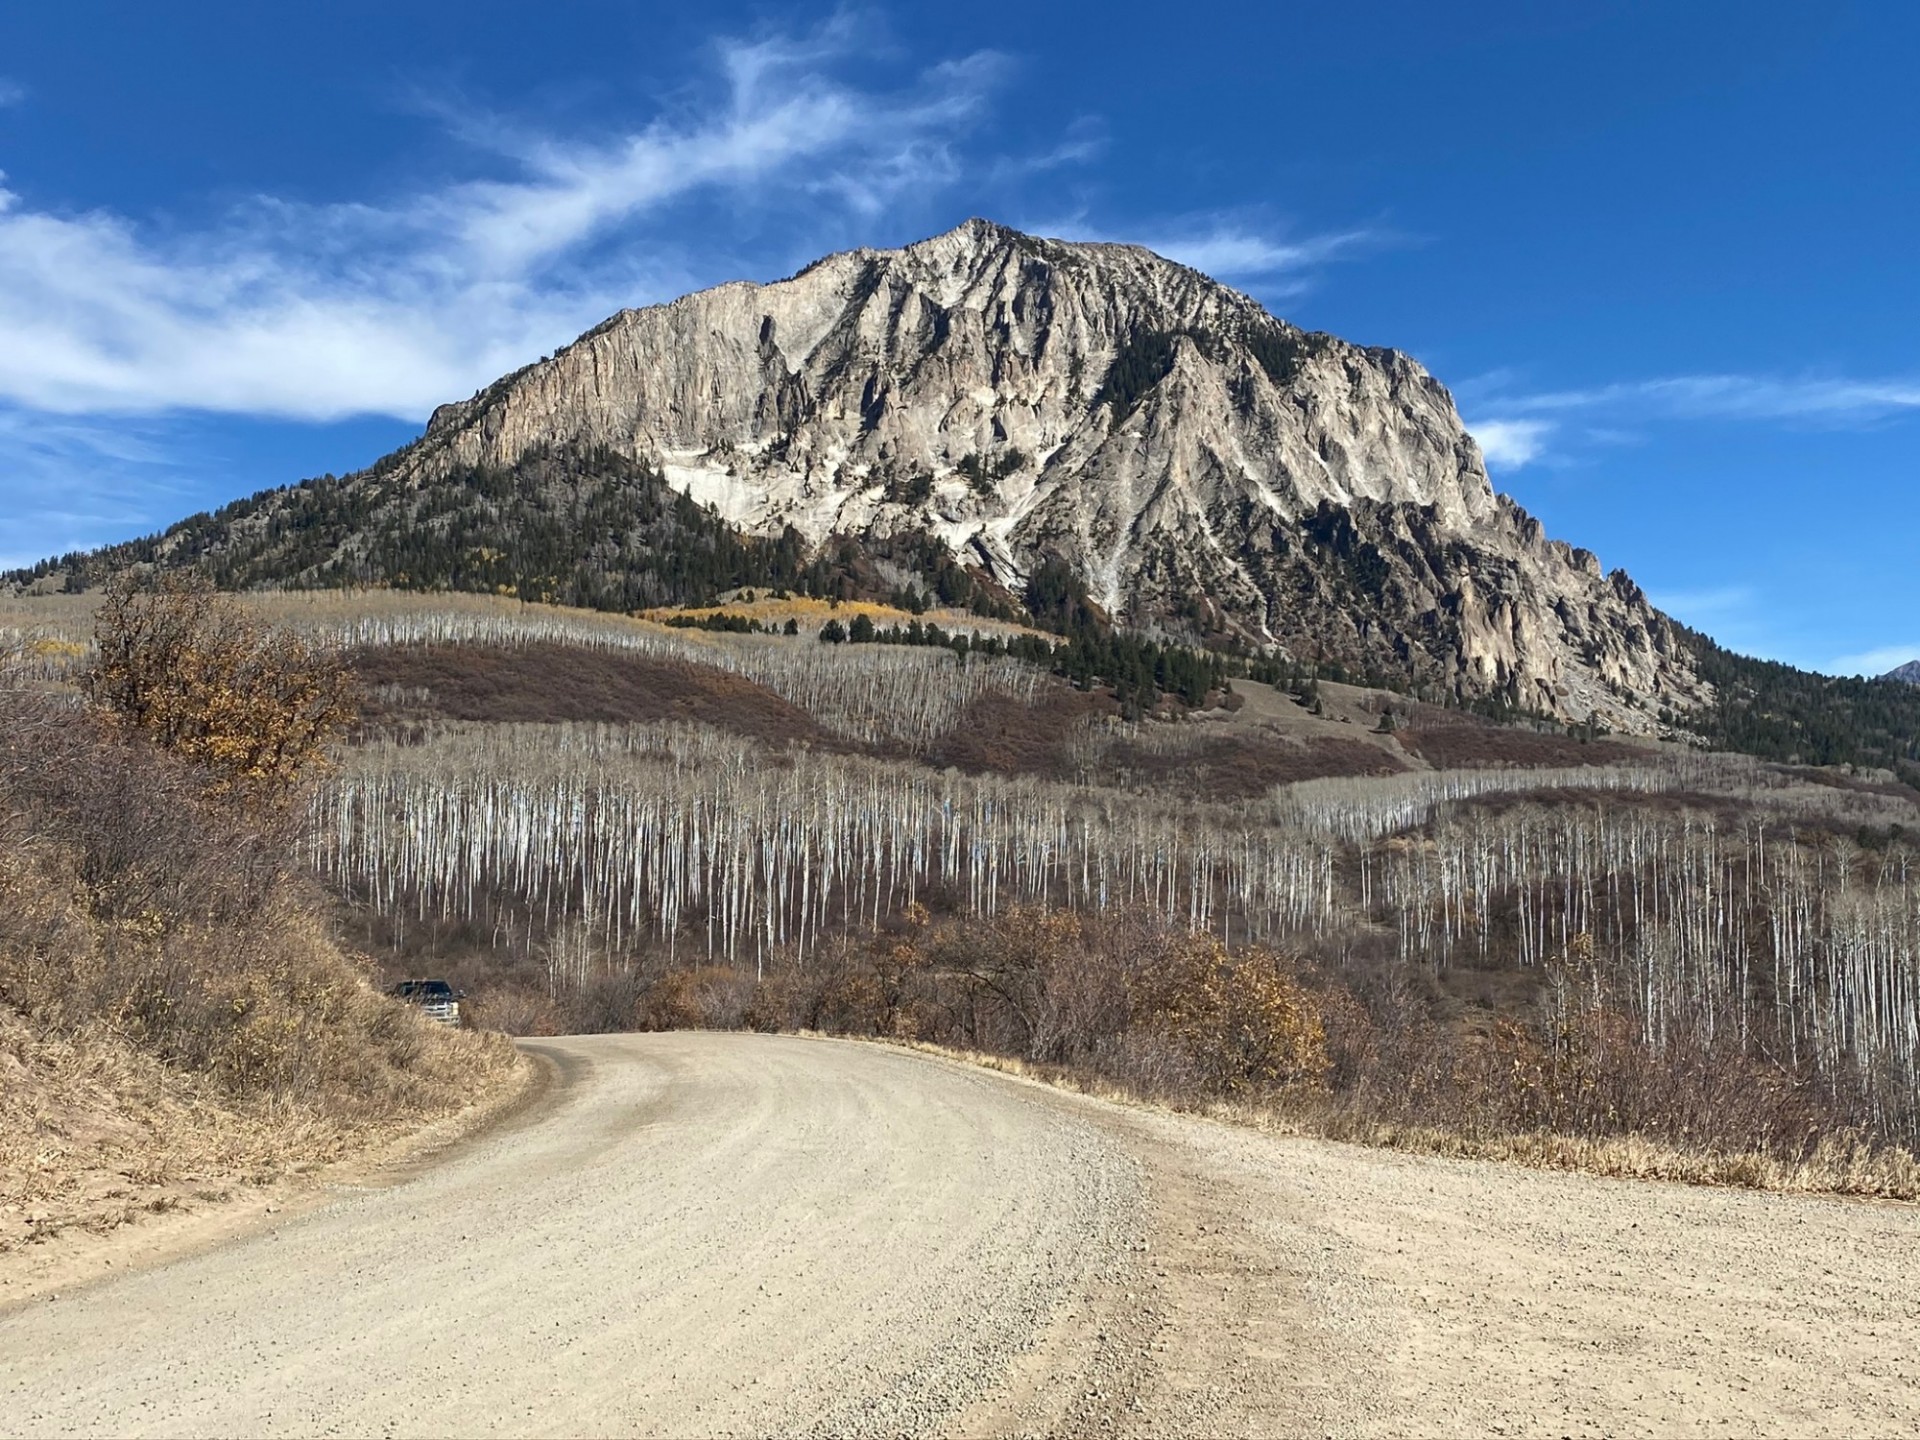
x=77 y=1258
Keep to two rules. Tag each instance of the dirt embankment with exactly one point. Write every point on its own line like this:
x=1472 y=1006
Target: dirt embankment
x=178 y=1025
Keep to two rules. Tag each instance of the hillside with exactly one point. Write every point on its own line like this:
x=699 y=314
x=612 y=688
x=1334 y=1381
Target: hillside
x=1387 y=917
x=178 y=1023
x=1085 y=438
x=1764 y=708
x=951 y=419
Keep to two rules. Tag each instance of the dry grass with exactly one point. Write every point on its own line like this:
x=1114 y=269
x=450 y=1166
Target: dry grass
x=96 y=1133
x=1837 y=1165
x=141 y=1069
x=176 y=1021
x=71 y=617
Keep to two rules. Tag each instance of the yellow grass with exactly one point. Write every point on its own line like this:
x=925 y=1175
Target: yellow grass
x=813 y=612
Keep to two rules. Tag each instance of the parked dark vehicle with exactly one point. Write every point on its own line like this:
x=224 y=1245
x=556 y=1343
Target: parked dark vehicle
x=436 y=997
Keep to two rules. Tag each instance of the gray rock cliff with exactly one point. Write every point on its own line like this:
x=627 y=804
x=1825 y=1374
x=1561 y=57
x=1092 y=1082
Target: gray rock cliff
x=1209 y=472
x=1208 y=469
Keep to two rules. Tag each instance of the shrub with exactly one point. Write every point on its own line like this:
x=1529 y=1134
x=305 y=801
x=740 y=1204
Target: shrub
x=1240 y=1020
x=135 y=910
x=253 y=707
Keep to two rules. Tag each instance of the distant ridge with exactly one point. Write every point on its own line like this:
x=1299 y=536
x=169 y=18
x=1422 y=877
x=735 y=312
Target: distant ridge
x=1090 y=438
x=1909 y=672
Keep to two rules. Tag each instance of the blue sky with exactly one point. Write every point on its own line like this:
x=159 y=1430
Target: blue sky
x=1664 y=254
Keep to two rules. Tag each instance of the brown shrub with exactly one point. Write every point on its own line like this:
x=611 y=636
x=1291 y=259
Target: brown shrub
x=548 y=682
x=701 y=997
x=1451 y=739
x=253 y=707
x=515 y=1010
x=1241 y=1020
x=135 y=910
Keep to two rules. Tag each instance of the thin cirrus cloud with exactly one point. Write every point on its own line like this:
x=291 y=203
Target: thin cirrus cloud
x=317 y=312
x=1233 y=251
x=1521 y=429
x=66 y=478
x=1233 y=248
x=1727 y=604
x=1084 y=141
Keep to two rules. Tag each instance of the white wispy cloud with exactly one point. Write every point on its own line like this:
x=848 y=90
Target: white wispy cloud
x=1738 y=397
x=1529 y=427
x=12 y=92
x=315 y=312
x=1085 y=140
x=1701 y=606
x=1875 y=662
x=68 y=480
x=1510 y=444
x=1230 y=247
x=1232 y=251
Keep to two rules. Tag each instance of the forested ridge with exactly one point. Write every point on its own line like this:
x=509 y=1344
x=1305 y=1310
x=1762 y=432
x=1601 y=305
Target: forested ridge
x=590 y=528
x=581 y=527
x=1776 y=712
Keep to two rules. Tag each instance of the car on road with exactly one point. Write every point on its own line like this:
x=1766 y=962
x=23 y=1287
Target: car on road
x=437 y=998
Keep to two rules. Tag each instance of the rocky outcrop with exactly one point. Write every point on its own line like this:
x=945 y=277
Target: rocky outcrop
x=1209 y=471
x=1909 y=673
x=1179 y=447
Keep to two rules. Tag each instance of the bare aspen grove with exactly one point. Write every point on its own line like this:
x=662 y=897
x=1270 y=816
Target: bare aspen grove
x=868 y=693
x=646 y=831
x=1707 y=904
x=1706 y=952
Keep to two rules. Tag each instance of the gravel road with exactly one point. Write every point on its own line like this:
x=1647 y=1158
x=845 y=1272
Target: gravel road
x=739 y=1235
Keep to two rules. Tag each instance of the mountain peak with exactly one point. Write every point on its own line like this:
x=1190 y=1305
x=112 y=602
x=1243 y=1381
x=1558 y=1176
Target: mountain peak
x=1012 y=403
x=1909 y=672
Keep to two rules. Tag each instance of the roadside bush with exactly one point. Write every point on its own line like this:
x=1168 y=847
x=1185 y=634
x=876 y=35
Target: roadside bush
x=1240 y=1021
x=131 y=906
x=704 y=997
x=147 y=902
x=515 y=1010
x=254 y=708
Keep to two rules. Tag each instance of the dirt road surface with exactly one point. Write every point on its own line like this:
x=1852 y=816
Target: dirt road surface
x=740 y=1235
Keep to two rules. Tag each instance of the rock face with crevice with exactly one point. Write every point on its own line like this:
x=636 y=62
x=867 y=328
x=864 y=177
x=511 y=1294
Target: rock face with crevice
x=1211 y=472
x=1207 y=469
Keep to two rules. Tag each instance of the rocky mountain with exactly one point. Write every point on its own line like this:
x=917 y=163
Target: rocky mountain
x=1909 y=673
x=997 y=402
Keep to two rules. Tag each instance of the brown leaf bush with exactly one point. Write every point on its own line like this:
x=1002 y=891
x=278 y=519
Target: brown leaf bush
x=252 y=707
x=1241 y=1020
x=137 y=908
